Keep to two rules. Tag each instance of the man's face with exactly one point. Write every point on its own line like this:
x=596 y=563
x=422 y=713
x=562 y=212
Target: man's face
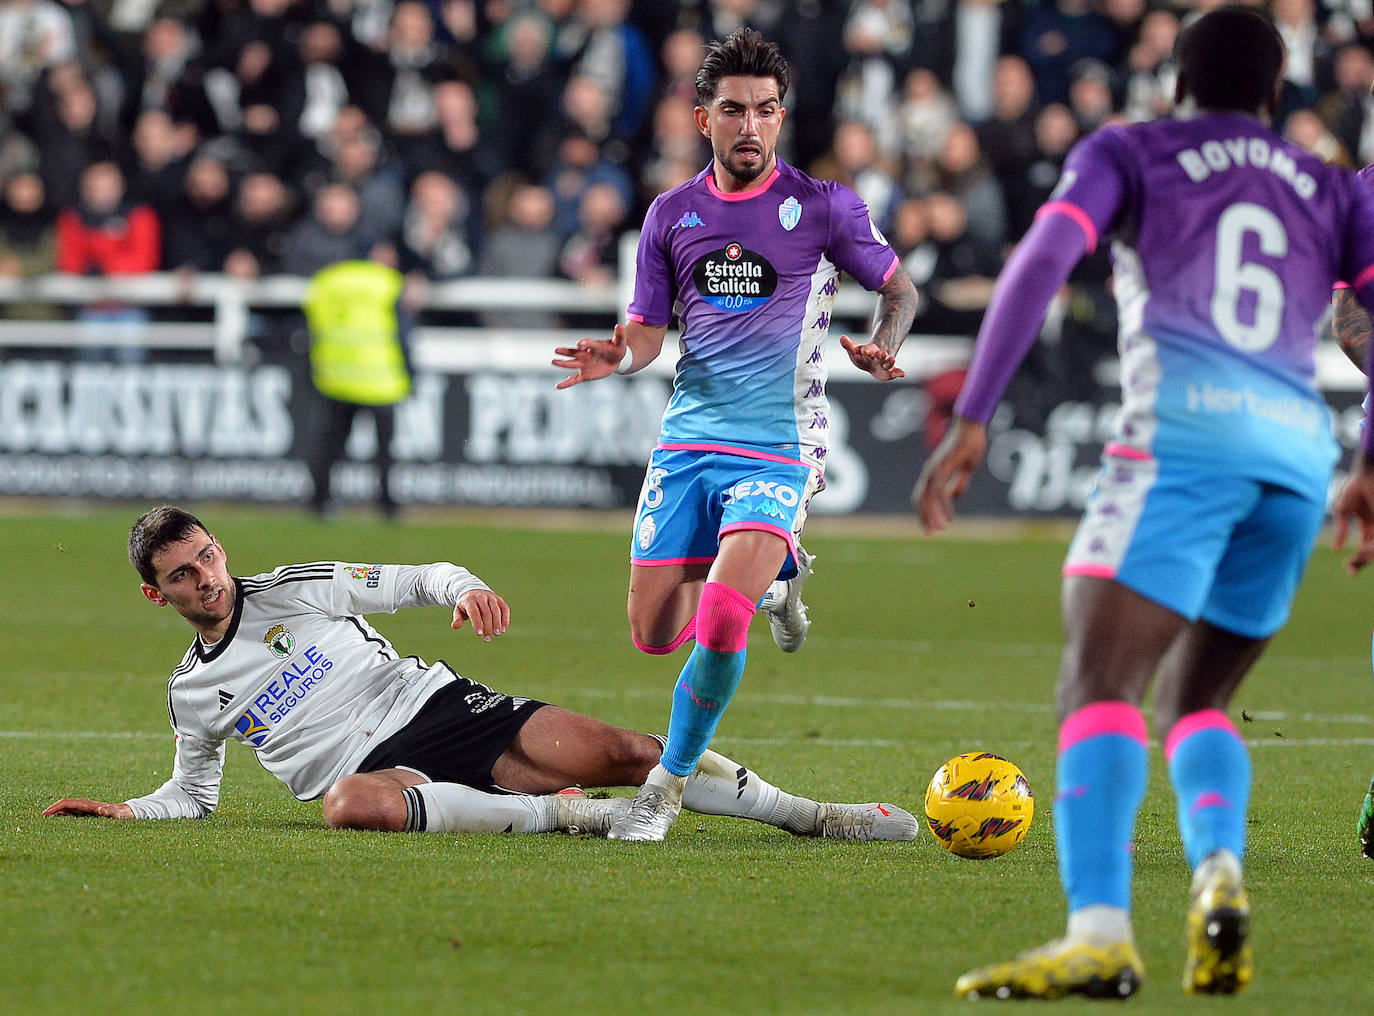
x=192 y=575
x=742 y=124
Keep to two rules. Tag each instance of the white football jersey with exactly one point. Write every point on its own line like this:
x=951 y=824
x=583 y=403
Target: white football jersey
x=301 y=679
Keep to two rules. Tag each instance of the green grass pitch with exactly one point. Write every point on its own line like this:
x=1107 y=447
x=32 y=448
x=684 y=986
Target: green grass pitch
x=920 y=649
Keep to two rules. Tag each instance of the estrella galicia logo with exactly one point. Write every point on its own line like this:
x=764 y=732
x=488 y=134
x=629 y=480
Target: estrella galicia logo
x=280 y=641
x=734 y=278
x=789 y=213
x=253 y=730
x=688 y=220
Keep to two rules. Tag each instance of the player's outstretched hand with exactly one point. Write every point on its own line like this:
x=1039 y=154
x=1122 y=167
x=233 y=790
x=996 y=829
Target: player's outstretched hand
x=591 y=358
x=872 y=360
x=81 y=806
x=487 y=612
x=1356 y=500
x=947 y=473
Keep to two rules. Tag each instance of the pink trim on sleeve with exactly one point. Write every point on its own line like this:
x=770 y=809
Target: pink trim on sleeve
x=632 y=316
x=1077 y=215
x=1363 y=278
x=1126 y=452
x=1100 y=719
x=1203 y=719
x=1096 y=571
x=896 y=261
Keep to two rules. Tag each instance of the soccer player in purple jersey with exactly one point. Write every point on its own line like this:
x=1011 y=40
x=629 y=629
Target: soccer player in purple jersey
x=1226 y=242
x=750 y=250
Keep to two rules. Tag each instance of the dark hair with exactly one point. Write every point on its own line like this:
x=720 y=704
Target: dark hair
x=1230 y=59
x=156 y=529
x=742 y=53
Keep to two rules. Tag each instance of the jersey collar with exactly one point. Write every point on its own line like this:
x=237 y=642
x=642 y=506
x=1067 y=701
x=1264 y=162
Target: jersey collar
x=743 y=195
x=214 y=652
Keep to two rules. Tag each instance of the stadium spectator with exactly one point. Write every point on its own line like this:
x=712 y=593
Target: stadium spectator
x=415 y=63
x=161 y=72
x=1007 y=138
x=966 y=263
x=680 y=56
x=332 y=232
x=491 y=762
x=262 y=214
x=1056 y=35
x=436 y=238
x=1150 y=70
x=618 y=57
x=1055 y=133
x=877 y=38
x=1092 y=94
x=961 y=41
x=359 y=161
x=917 y=132
x=854 y=160
x=198 y=229
x=28 y=241
x=581 y=164
x=457 y=147
x=313 y=98
x=963 y=172
x=1309 y=53
x=161 y=150
x=35 y=35
x=1350 y=108
x=66 y=131
x=522 y=244
x=529 y=87
x=591 y=256
x=106 y=233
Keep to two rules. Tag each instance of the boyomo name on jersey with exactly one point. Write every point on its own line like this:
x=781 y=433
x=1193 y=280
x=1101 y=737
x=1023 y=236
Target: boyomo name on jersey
x=734 y=278
x=1218 y=156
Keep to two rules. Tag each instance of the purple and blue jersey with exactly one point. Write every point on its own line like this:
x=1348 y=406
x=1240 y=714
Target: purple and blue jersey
x=1226 y=242
x=753 y=277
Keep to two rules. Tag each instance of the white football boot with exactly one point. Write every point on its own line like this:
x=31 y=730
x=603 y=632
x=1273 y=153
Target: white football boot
x=783 y=605
x=652 y=813
x=579 y=815
x=864 y=822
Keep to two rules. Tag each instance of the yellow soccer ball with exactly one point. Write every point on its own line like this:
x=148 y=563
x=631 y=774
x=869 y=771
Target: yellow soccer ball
x=979 y=805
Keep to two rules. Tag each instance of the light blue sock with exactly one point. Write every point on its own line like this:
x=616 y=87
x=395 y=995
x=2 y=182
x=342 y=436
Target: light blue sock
x=704 y=688
x=1101 y=777
x=1209 y=767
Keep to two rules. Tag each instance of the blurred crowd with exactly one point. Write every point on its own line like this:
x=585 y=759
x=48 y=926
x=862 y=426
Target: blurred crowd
x=523 y=137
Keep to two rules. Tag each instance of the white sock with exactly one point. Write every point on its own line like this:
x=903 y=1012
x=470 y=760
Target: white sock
x=664 y=780
x=1100 y=924
x=723 y=787
x=454 y=808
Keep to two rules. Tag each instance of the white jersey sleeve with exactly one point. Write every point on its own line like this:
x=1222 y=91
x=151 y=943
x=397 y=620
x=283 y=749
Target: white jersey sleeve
x=193 y=790
x=369 y=589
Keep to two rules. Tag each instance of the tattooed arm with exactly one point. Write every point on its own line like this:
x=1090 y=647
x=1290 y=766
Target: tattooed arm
x=1350 y=325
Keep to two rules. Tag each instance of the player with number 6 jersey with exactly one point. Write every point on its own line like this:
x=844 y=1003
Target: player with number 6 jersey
x=1226 y=241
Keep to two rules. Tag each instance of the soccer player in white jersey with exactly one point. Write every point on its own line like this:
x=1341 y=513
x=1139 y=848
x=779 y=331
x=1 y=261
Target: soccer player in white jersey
x=1226 y=241
x=751 y=251
x=285 y=664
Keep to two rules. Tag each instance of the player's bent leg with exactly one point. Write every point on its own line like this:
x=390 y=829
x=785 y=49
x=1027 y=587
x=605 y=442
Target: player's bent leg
x=369 y=800
x=662 y=605
x=784 y=607
x=558 y=748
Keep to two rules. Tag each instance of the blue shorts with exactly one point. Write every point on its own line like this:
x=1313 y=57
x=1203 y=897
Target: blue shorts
x=691 y=498
x=1227 y=549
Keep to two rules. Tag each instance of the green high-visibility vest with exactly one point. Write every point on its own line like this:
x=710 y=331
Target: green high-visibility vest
x=355 y=345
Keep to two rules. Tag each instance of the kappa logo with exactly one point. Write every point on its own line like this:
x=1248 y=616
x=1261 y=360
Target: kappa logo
x=688 y=220
x=280 y=641
x=789 y=213
x=252 y=729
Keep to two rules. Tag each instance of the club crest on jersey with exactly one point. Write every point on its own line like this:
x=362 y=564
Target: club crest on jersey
x=279 y=641
x=789 y=213
x=646 y=532
x=253 y=730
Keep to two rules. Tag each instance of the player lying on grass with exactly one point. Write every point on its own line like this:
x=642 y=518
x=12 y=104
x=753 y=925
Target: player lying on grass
x=284 y=663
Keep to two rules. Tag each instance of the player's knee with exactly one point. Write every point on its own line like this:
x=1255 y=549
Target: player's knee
x=723 y=618
x=356 y=802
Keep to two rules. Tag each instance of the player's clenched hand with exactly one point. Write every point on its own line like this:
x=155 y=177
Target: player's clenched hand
x=872 y=359
x=591 y=358
x=1356 y=500
x=487 y=612
x=947 y=473
x=81 y=806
